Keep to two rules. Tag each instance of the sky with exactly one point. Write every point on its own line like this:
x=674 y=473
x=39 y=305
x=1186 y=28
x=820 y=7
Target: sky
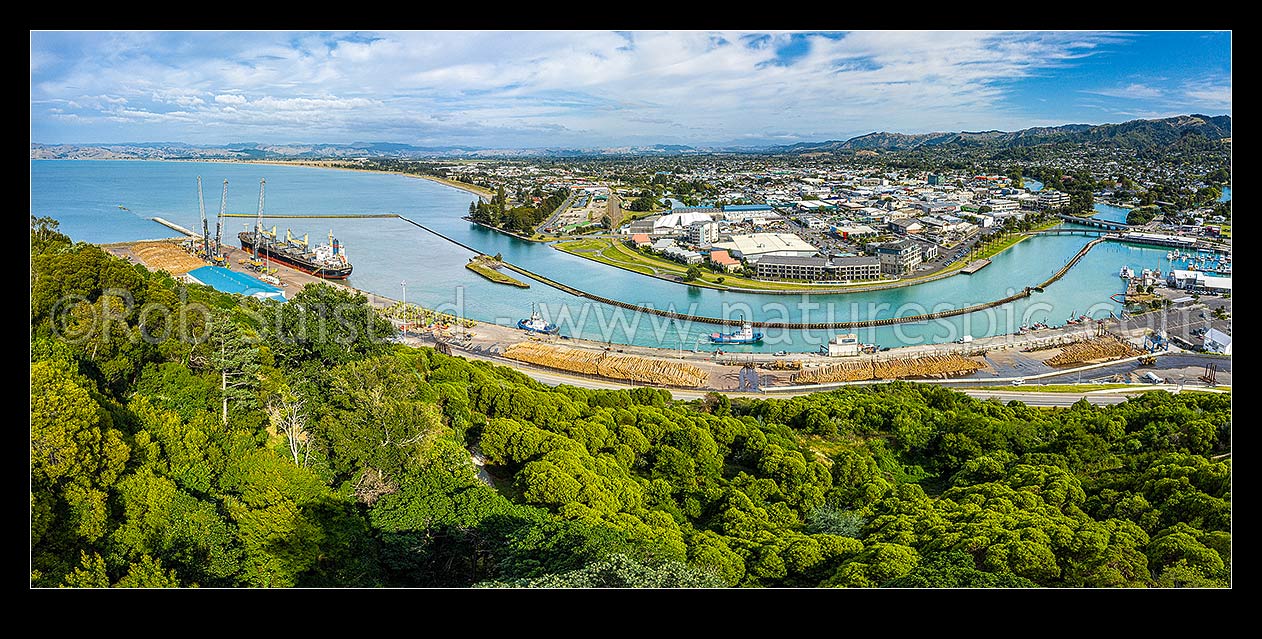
x=570 y=89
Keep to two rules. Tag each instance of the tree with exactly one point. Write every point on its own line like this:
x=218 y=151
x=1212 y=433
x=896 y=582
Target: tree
x=229 y=354
x=693 y=273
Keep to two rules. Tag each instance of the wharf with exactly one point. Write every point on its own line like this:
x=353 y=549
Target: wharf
x=975 y=266
x=173 y=226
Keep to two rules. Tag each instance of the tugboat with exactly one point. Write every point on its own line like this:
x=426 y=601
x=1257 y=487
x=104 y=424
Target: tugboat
x=745 y=335
x=535 y=323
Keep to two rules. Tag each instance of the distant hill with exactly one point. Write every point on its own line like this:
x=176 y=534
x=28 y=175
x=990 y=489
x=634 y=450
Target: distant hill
x=1138 y=134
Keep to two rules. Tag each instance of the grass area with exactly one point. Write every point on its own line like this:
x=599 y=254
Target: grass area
x=482 y=265
x=1061 y=388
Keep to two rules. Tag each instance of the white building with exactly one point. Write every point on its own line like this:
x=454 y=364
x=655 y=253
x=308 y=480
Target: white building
x=755 y=245
x=844 y=345
x=1000 y=205
x=702 y=233
x=1217 y=341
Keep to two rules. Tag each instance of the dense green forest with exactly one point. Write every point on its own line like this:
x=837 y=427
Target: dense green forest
x=521 y=219
x=239 y=442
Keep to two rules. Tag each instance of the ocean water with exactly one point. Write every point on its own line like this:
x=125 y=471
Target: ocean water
x=85 y=196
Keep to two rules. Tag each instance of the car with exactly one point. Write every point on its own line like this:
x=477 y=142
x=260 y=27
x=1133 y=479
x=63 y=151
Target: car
x=1018 y=382
x=780 y=353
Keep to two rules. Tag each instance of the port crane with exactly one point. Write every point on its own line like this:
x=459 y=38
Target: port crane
x=218 y=257
x=258 y=226
x=201 y=207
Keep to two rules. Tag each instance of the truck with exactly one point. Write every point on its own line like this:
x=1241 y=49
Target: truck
x=1152 y=378
x=967 y=339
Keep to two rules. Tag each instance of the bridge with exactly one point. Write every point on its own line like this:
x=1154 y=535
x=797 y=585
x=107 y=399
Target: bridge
x=1089 y=221
x=1083 y=232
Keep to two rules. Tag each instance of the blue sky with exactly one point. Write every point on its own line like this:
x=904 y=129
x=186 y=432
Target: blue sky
x=606 y=89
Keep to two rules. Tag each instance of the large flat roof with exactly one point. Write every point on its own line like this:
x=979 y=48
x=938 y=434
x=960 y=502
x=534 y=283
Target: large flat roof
x=229 y=281
x=761 y=243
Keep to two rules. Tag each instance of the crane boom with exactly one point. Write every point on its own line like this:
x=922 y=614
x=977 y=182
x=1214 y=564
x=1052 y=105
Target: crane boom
x=223 y=207
x=201 y=207
x=258 y=223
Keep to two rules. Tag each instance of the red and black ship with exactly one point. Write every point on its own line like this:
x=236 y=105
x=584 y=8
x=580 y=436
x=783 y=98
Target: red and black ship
x=327 y=261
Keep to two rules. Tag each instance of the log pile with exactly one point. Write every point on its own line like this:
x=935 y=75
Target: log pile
x=1102 y=348
x=605 y=364
x=165 y=256
x=858 y=371
x=928 y=366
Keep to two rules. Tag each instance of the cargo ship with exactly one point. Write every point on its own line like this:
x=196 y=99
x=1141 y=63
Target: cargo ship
x=326 y=261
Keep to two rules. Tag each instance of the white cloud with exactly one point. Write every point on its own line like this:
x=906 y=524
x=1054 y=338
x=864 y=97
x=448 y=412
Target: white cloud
x=1134 y=90
x=588 y=88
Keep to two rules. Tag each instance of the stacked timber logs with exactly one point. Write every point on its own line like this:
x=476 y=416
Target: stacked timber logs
x=610 y=365
x=928 y=366
x=1102 y=348
x=858 y=371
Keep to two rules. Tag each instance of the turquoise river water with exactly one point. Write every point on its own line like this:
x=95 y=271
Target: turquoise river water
x=85 y=196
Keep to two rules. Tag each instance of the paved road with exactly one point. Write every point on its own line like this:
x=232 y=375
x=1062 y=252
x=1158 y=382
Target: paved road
x=553 y=378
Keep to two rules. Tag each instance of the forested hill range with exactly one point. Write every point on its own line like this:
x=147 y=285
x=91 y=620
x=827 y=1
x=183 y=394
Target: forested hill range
x=229 y=442
x=1136 y=134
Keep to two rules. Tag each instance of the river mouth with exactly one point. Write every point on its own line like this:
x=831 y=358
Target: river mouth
x=85 y=196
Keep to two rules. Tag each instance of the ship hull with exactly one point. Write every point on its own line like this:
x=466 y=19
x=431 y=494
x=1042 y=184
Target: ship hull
x=296 y=262
x=525 y=326
x=723 y=339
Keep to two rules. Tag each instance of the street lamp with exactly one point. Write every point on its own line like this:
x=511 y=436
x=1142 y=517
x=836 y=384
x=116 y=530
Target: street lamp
x=404 y=284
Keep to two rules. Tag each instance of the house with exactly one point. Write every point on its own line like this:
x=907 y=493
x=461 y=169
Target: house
x=682 y=255
x=724 y=260
x=640 y=240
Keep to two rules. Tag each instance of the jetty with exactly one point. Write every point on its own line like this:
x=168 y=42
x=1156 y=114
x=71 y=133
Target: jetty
x=975 y=266
x=173 y=226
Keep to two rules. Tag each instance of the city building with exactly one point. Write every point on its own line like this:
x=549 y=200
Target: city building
x=1049 y=199
x=907 y=226
x=999 y=205
x=1217 y=341
x=725 y=260
x=753 y=246
x=899 y=258
x=752 y=213
x=814 y=269
x=702 y=233
x=679 y=219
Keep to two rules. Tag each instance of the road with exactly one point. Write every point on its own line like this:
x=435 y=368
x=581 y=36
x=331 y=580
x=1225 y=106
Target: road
x=554 y=378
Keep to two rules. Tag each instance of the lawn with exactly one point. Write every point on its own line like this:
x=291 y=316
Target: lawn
x=1062 y=388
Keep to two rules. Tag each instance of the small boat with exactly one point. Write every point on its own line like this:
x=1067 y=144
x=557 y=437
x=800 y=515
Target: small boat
x=745 y=335
x=1127 y=273
x=536 y=324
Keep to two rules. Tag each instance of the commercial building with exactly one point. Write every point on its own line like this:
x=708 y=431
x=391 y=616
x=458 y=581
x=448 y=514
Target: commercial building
x=1049 y=199
x=702 y=233
x=908 y=226
x=899 y=258
x=1217 y=341
x=751 y=213
x=640 y=240
x=679 y=219
x=815 y=269
x=999 y=205
x=229 y=281
x=844 y=345
x=753 y=246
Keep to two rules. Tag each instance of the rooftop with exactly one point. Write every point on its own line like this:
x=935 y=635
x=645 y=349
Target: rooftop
x=229 y=281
